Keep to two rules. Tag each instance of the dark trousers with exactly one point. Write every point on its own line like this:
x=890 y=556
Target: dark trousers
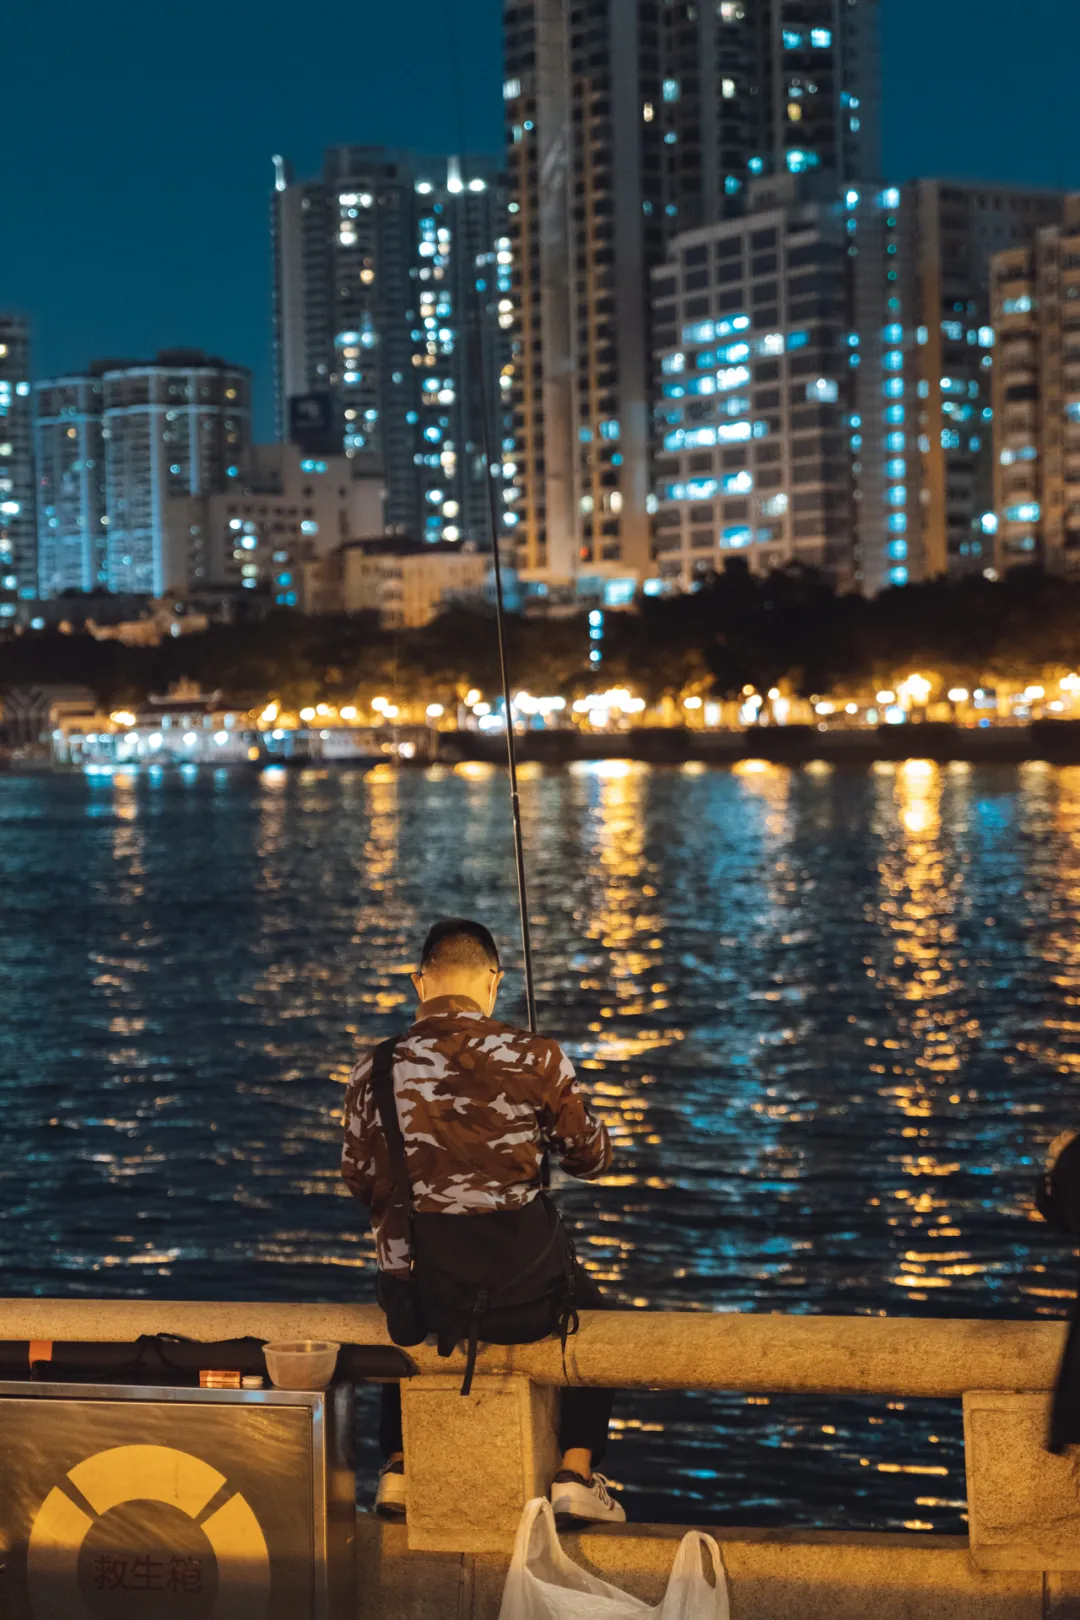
x=584 y=1413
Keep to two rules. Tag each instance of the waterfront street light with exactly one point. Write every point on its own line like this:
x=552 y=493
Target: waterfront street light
x=917 y=689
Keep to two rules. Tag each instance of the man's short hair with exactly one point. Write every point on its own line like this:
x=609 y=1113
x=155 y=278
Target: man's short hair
x=457 y=942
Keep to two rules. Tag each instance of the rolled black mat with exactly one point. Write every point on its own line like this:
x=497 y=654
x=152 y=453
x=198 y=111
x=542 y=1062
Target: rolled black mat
x=169 y=1361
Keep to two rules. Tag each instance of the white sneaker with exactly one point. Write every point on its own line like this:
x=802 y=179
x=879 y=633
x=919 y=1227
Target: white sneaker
x=390 y=1496
x=575 y=1500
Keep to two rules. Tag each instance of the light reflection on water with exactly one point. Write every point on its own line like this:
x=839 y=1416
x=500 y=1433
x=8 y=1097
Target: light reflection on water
x=829 y=1017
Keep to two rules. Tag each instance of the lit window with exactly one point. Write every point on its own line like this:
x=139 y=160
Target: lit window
x=893 y=388
x=1017 y=306
x=609 y=429
x=894 y=360
x=821 y=38
x=793 y=40
x=891 y=197
x=895 y=441
x=898 y=549
x=740 y=483
x=897 y=495
x=897 y=523
x=671 y=89
x=727 y=89
x=798 y=340
x=898 y=576
x=733 y=377
x=822 y=391
x=896 y=469
x=799 y=162
x=699 y=332
x=737 y=535
x=1024 y=512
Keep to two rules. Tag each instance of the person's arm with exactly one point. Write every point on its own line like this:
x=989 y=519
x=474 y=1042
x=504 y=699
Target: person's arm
x=357 y=1154
x=579 y=1140
x=1057 y=1196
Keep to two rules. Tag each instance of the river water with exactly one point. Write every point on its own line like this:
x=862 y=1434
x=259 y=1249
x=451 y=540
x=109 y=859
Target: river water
x=829 y=1017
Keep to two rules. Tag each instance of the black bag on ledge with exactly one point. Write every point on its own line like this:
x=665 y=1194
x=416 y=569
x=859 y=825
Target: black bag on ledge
x=171 y=1362
x=504 y=1277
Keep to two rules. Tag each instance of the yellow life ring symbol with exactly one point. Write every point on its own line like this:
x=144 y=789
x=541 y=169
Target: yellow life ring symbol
x=122 y=1474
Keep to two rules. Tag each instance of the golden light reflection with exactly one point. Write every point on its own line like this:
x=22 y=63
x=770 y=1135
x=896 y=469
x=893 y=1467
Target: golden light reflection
x=625 y=930
x=381 y=848
x=916 y=971
x=1051 y=804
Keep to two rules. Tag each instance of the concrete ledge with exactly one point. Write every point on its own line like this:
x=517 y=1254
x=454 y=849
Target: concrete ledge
x=825 y=1355
x=772 y=1575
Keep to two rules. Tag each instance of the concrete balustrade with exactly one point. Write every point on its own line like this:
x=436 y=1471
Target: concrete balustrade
x=472 y=1463
x=811 y=1355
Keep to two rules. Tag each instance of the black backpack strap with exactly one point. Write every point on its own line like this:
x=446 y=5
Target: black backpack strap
x=382 y=1090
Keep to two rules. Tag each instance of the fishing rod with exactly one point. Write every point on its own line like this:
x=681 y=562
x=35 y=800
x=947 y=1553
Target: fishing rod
x=472 y=292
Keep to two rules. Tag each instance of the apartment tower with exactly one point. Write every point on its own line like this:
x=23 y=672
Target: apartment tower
x=1036 y=318
x=390 y=270
x=17 y=527
x=629 y=121
x=70 y=450
x=944 y=391
x=117 y=445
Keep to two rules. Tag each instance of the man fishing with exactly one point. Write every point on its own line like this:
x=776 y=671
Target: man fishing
x=446 y=1129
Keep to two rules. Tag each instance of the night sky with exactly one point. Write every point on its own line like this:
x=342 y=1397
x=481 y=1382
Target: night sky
x=138 y=138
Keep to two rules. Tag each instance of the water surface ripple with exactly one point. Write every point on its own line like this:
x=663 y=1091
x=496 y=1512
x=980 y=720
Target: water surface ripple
x=829 y=1016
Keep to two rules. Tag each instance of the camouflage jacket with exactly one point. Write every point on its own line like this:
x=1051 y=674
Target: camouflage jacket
x=478 y=1101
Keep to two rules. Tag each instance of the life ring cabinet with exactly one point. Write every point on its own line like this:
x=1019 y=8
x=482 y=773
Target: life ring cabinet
x=141 y=1503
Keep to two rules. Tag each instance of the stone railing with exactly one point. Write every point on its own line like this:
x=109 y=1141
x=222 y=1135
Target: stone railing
x=473 y=1462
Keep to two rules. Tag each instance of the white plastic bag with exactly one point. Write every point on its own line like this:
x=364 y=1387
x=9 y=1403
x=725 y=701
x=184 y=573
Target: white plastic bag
x=544 y=1584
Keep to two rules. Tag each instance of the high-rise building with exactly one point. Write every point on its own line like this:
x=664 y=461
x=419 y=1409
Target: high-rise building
x=284 y=510
x=18 y=546
x=178 y=425
x=1036 y=318
x=70 y=450
x=389 y=337
x=773 y=333
x=950 y=232
x=627 y=125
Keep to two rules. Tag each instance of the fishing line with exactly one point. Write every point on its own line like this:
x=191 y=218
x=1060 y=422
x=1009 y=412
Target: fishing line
x=494 y=512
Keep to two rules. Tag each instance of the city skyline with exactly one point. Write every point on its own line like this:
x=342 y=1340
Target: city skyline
x=185 y=259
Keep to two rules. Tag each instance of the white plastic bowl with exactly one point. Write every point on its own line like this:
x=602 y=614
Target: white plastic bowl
x=301 y=1363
